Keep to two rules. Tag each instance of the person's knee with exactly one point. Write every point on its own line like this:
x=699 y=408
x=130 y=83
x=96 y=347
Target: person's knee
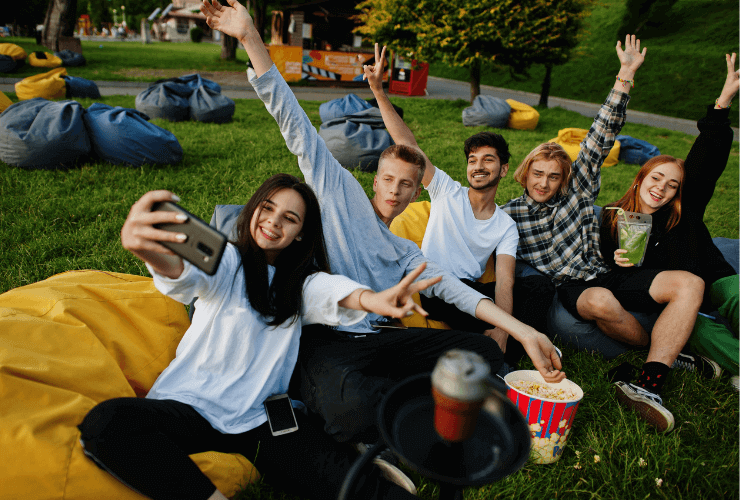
x=672 y=286
x=598 y=304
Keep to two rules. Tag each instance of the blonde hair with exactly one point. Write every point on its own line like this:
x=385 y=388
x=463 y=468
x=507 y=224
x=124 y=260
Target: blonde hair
x=547 y=151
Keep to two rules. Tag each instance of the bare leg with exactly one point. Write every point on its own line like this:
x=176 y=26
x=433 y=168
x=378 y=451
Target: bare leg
x=683 y=292
x=599 y=305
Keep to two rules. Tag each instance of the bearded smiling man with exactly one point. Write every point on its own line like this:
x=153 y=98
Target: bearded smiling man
x=466 y=227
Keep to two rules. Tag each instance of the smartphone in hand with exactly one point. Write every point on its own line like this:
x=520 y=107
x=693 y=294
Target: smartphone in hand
x=204 y=246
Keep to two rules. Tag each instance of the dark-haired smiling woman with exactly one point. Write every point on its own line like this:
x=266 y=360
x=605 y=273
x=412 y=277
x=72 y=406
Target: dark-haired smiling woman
x=676 y=193
x=240 y=349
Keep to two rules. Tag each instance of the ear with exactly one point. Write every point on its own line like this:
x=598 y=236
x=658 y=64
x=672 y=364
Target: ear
x=375 y=184
x=504 y=169
x=416 y=195
x=299 y=237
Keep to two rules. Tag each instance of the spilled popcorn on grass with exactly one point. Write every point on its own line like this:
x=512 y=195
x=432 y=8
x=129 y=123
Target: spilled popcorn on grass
x=641 y=462
x=597 y=459
x=658 y=482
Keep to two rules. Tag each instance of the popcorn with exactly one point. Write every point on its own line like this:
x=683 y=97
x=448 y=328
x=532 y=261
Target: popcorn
x=641 y=462
x=539 y=390
x=544 y=448
x=658 y=482
x=597 y=459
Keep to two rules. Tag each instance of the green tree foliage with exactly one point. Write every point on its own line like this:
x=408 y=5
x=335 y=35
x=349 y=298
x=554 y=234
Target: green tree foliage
x=467 y=33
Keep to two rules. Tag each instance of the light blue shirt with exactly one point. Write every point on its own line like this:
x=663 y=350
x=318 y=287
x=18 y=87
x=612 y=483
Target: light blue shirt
x=359 y=244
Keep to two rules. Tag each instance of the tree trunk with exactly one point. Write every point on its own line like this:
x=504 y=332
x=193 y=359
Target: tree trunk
x=60 y=21
x=260 y=11
x=545 y=93
x=474 y=79
x=228 y=47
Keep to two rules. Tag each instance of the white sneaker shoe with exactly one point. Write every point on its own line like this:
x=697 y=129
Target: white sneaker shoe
x=649 y=405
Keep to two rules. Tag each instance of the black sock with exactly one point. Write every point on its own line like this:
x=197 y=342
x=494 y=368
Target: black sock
x=653 y=376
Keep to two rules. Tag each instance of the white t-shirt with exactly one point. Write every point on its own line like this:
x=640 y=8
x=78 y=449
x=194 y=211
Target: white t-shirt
x=455 y=239
x=229 y=360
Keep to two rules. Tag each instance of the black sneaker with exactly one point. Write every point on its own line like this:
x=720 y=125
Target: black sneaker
x=649 y=405
x=695 y=363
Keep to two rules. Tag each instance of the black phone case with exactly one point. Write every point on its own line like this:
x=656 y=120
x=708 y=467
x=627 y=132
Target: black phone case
x=204 y=246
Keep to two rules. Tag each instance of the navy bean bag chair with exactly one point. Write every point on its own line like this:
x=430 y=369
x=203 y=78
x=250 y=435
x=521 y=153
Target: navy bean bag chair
x=41 y=134
x=7 y=64
x=70 y=58
x=487 y=111
x=81 y=87
x=635 y=151
x=342 y=106
x=210 y=107
x=125 y=136
x=357 y=140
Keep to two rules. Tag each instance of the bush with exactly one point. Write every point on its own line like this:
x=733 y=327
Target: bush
x=196 y=34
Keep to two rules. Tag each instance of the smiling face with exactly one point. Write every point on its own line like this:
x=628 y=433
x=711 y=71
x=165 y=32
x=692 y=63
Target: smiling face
x=659 y=187
x=544 y=179
x=278 y=221
x=396 y=185
x=484 y=168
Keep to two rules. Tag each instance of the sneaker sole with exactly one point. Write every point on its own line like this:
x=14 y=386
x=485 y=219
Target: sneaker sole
x=395 y=475
x=663 y=422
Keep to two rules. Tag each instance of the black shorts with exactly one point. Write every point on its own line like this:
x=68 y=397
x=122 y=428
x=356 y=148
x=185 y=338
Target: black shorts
x=631 y=289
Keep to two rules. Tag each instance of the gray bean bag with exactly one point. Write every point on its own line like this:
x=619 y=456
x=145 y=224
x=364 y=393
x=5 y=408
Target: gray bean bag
x=169 y=100
x=43 y=134
x=342 y=106
x=70 y=58
x=124 y=136
x=209 y=106
x=357 y=140
x=487 y=111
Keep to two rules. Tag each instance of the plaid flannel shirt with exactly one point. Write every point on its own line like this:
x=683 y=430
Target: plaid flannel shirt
x=560 y=238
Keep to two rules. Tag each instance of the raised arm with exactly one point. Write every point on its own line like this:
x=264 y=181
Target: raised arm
x=400 y=132
x=711 y=150
x=586 y=176
x=235 y=21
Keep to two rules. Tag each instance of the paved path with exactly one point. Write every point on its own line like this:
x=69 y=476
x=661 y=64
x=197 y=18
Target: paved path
x=437 y=88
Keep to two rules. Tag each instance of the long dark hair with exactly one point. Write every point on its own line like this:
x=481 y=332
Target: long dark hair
x=283 y=298
x=631 y=201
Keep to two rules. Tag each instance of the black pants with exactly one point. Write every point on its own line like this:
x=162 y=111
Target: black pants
x=145 y=443
x=532 y=298
x=344 y=379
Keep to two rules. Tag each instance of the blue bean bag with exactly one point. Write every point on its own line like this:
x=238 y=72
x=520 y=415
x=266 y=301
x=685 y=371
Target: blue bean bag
x=357 y=140
x=124 y=136
x=37 y=133
x=635 y=151
x=342 y=106
x=487 y=111
x=81 y=87
x=7 y=64
x=169 y=100
x=210 y=107
x=195 y=81
x=70 y=58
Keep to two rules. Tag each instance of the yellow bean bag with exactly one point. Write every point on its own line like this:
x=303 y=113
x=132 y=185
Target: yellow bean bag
x=5 y=102
x=522 y=116
x=13 y=50
x=41 y=59
x=571 y=138
x=66 y=344
x=411 y=224
x=49 y=85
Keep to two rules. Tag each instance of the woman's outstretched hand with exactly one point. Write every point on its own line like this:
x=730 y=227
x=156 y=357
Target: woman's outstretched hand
x=732 y=83
x=621 y=261
x=397 y=301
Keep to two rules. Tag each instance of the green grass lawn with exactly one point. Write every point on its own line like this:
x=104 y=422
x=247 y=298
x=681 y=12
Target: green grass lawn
x=684 y=66
x=55 y=221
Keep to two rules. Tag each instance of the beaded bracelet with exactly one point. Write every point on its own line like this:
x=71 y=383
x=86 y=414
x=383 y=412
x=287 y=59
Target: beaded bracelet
x=625 y=82
x=716 y=103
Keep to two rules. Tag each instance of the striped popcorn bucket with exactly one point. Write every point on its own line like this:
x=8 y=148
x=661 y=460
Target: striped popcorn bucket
x=549 y=419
